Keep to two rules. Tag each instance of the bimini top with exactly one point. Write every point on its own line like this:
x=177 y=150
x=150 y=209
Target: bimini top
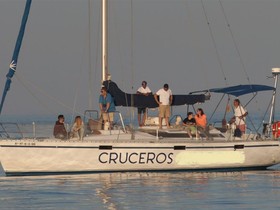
x=239 y=90
x=135 y=100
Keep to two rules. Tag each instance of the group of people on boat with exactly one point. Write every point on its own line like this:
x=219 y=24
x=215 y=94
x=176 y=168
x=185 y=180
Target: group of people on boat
x=107 y=108
x=194 y=124
x=77 y=130
x=198 y=124
x=164 y=99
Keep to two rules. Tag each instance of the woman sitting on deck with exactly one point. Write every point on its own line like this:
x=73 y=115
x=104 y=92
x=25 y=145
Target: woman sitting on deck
x=201 y=122
x=78 y=128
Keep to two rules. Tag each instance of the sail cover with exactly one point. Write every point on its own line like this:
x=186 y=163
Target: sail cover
x=13 y=63
x=239 y=90
x=135 y=100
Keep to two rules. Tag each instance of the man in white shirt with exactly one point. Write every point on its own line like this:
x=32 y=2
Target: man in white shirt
x=164 y=101
x=143 y=90
x=239 y=116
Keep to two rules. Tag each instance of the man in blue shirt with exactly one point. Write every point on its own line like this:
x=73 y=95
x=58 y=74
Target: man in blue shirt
x=106 y=105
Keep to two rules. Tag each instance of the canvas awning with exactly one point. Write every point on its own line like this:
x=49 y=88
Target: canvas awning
x=239 y=90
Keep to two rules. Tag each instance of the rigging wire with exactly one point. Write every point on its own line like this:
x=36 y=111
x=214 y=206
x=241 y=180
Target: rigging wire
x=237 y=48
x=264 y=115
x=218 y=58
x=85 y=51
x=234 y=42
x=130 y=112
x=114 y=18
x=196 y=42
x=132 y=59
x=32 y=89
x=214 y=43
x=93 y=66
x=79 y=83
x=98 y=49
x=90 y=91
x=132 y=44
x=31 y=86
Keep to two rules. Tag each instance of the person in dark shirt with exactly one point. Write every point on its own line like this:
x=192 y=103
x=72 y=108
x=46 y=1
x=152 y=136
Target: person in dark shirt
x=59 y=130
x=190 y=124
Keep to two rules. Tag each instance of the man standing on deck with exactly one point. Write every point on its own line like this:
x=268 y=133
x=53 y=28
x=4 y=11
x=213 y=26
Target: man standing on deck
x=107 y=106
x=239 y=116
x=165 y=100
x=143 y=90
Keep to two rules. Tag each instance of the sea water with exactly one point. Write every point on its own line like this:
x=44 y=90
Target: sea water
x=173 y=190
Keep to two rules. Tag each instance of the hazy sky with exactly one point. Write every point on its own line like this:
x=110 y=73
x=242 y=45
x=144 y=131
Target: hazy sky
x=160 y=41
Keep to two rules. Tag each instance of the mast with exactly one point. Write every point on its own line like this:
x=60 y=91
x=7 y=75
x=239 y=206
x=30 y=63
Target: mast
x=104 y=62
x=89 y=57
x=275 y=73
x=13 y=64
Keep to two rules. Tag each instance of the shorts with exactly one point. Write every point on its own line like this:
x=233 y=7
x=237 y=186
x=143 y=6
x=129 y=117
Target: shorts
x=164 y=110
x=191 y=128
x=242 y=127
x=141 y=110
x=105 y=116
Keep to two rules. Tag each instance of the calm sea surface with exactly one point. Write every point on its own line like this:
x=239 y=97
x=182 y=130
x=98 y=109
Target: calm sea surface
x=182 y=190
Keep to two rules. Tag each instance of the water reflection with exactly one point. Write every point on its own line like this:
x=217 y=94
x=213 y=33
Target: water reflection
x=143 y=190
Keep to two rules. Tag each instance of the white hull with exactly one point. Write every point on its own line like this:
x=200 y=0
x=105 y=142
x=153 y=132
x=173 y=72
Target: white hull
x=57 y=156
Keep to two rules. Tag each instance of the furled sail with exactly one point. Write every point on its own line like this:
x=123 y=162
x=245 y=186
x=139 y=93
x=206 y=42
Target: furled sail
x=13 y=63
x=125 y=99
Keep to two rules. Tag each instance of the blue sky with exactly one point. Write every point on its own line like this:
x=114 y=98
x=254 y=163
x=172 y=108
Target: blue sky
x=160 y=41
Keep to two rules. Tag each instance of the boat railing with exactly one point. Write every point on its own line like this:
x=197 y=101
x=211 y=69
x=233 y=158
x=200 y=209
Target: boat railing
x=221 y=126
x=10 y=130
x=117 y=124
x=250 y=134
x=41 y=130
x=121 y=121
x=94 y=122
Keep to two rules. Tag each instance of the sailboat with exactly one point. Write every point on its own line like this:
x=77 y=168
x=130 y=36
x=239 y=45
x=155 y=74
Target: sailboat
x=122 y=149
